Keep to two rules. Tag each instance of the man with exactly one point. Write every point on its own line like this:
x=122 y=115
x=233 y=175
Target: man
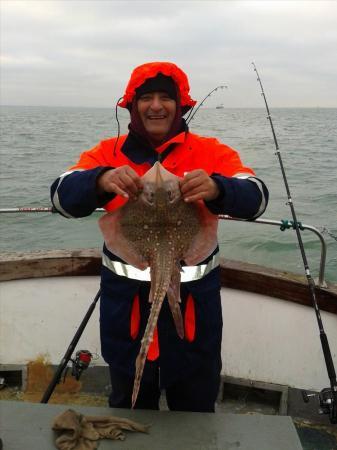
x=157 y=97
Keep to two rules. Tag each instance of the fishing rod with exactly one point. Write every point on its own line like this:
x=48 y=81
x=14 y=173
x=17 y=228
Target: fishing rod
x=82 y=359
x=35 y=209
x=28 y=209
x=328 y=396
x=190 y=115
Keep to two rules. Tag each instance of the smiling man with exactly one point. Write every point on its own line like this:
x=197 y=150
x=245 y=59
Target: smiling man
x=157 y=97
x=156 y=111
x=156 y=105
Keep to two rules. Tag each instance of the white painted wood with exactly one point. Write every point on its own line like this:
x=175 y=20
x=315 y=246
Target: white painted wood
x=276 y=341
x=264 y=339
x=40 y=317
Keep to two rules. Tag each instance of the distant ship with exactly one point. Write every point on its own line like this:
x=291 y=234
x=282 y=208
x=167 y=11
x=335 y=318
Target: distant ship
x=221 y=106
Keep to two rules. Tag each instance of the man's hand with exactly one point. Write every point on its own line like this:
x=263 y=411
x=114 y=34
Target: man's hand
x=122 y=180
x=197 y=185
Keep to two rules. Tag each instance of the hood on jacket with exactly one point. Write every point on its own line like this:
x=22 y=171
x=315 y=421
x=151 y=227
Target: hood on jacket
x=150 y=70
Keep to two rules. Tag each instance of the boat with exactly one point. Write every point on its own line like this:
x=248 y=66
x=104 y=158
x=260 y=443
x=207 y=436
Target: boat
x=221 y=106
x=271 y=354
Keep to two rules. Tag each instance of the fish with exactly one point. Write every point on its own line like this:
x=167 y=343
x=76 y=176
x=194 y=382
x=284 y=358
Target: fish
x=158 y=230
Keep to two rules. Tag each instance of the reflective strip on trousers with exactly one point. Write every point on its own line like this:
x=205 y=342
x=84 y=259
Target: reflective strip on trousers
x=188 y=273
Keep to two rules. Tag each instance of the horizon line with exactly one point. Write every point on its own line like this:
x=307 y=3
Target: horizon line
x=206 y=107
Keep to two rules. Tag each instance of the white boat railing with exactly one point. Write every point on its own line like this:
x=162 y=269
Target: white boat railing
x=283 y=224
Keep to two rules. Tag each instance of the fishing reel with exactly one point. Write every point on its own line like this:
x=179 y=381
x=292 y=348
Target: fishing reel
x=327 y=402
x=80 y=363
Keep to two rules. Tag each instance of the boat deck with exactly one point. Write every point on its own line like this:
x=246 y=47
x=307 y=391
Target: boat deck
x=28 y=426
x=256 y=357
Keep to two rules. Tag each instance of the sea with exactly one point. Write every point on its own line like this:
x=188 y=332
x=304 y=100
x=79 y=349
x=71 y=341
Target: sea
x=40 y=143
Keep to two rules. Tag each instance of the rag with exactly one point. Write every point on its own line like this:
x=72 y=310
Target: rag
x=78 y=432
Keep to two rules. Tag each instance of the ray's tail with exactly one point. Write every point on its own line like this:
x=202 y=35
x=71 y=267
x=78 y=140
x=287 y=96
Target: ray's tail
x=161 y=272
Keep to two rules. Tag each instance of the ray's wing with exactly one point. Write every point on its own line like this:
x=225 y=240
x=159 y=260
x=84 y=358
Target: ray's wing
x=117 y=242
x=205 y=241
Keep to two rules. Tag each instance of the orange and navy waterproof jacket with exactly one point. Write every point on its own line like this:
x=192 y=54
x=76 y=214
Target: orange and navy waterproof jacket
x=124 y=306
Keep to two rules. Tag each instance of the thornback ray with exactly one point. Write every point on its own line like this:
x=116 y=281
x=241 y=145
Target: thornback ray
x=158 y=229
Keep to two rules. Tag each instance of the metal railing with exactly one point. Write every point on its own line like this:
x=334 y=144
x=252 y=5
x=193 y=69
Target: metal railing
x=289 y=224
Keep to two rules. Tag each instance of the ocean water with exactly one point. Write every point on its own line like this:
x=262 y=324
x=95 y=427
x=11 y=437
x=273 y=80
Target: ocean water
x=39 y=143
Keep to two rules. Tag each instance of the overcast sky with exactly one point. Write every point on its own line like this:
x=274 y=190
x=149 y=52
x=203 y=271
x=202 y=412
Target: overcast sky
x=81 y=53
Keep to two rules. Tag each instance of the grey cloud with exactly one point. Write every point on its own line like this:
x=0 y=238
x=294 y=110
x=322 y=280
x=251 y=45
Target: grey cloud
x=82 y=52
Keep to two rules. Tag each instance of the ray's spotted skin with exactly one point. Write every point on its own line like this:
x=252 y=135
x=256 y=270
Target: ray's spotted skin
x=158 y=230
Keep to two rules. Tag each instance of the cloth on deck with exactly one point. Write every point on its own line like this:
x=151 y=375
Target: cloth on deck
x=78 y=432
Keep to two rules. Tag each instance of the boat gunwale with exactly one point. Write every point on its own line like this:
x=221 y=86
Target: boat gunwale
x=234 y=274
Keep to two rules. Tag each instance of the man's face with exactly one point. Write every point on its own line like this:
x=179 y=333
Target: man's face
x=157 y=111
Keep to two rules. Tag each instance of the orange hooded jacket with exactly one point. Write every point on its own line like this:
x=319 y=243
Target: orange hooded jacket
x=190 y=152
